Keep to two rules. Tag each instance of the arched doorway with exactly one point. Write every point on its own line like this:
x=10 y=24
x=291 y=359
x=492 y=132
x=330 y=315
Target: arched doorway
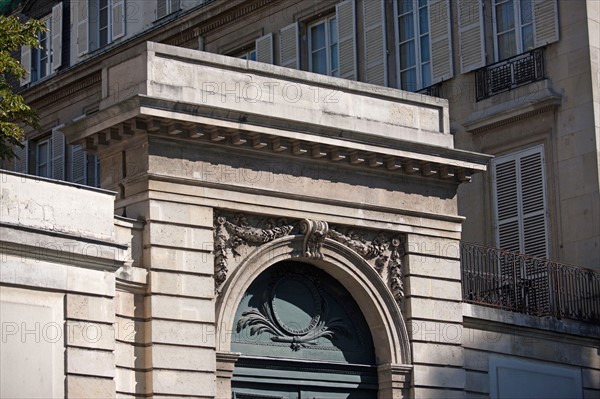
x=301 y=335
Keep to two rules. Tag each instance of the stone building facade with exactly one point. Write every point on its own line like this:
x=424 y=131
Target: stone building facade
x=293 y=234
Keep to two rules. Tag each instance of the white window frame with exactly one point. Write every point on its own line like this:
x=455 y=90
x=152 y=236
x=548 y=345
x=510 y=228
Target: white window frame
x=518 y=27
x=94 y=27
x=328 y=45
x=36 y=59
x=38 y=152
x=420 y=81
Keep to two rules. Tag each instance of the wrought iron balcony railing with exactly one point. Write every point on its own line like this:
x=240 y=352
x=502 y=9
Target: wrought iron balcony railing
x=435 y=90
x=509 y=74
x=525 y=284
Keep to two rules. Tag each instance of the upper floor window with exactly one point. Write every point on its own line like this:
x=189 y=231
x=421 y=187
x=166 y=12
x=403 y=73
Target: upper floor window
x=414 y=52
x=513 y=27
x=106 y=22
x=43 y=61
x=43 y=156
x=248 y=55
x=166 y=7
x=323 y=47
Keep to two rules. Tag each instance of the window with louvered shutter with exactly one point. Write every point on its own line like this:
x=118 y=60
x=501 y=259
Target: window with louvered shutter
x=289 y=51
x=440 y=31
x=470 y=35
x=57 y=12
x=264 y=49
x=26 y=64
x=58 y=154
x=82 y=27
x=375 y=42
x=520 y=202
x=346 y=23
x=118 y=19
x=21 y=159
x=545 y=22
x=78 y=165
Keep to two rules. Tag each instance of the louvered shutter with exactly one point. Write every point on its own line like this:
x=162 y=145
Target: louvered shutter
x=161 y=8
x=175 y=5
x=58 y=154
x=346 y=23
x=21 y=159
x=375 y=42
x=440 y=33
x=56 y=32
x=471 y=35
x=520 y=202
x=82 y=28
x=264 y=49
x=545 y=22
x=289 y=50
x=118 y=19
x=26 y=64
x=78 y=165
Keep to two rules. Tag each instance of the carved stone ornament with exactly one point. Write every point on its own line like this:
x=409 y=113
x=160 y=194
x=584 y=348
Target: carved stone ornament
x=315 y=232
x=383 y=251
x=285 y=329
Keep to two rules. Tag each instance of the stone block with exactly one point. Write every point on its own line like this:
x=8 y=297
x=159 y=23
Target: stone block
x=432 y=393
x=128 y=330
x=431 y=288
x=428 y=247
x=437 y=268
x=178 y=236
x=182 y=260
x=170 y=382
x=178 y=213
x=90 y=308
x=180 y=284
x=131 y=381
x=591 y=378
x=129 y=356
x=182 y=358
x=440 y=377
x=182 y=333
x=88 y=387
x=477 y=381
x=476 y=360
x=90 y=362
x=432 y=331
x=187 y=309
x=428 y=353
x=91 y=335
x=432 y=309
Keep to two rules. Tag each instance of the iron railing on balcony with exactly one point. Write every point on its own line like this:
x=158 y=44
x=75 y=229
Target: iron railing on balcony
x=435 y=90
x=509 y=74
x=525 y=284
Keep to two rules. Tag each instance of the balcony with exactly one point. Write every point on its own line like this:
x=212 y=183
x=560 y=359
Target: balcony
x=535 y=286
x=509 y=74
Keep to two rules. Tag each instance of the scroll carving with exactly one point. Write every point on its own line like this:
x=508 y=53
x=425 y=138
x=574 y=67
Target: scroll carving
x=315 y=232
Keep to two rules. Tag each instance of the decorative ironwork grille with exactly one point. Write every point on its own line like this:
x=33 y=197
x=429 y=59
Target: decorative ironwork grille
x=509 y=74
x=435 y=90
x=536 y=286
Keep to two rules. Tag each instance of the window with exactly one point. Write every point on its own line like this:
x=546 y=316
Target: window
x=520 y=202
x=43 y=157
x=323 y=47
x=40 y=57
x=414 y=52
x=248 y=55
x=166 y=7
x=513 y=27
x=106 y=20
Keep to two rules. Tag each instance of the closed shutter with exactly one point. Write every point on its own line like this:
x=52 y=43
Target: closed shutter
x=161 y=8
x=56 y=32
x=264 y=49
x=26 y=64
x=78 y=165
x=175 y=5
x=470 y=35
x=289 y=50
x=375 y=42
x=82 y=27
x=21 y=159
x=58 y=154
x=346 y=22
x=520 y=201
x=440 y=31
x=118 y=19
x=545 y=22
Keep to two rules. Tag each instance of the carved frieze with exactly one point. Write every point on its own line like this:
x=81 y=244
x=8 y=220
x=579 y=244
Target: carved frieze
x=383 y=251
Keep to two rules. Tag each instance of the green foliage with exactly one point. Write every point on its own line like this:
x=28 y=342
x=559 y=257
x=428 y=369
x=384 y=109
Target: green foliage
x=14 y=113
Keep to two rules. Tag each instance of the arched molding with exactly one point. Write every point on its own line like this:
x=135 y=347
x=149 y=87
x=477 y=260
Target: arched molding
x=349 y=268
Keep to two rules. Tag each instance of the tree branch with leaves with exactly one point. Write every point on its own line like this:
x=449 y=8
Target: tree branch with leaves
x=14 y=112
